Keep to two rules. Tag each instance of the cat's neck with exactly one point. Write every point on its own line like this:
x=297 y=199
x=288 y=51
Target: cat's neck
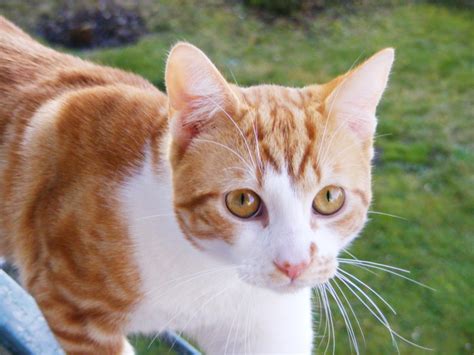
x=147 y=200
x=167 y=262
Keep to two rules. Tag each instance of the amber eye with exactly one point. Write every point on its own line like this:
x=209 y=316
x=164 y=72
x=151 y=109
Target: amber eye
x=329 y=200
x=243 y=203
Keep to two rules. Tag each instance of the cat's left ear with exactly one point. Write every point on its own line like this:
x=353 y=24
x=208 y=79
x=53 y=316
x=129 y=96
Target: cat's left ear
x=197 y=92
x=357 y=94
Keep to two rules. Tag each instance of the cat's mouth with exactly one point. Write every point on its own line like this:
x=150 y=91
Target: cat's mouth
x=315 y=276
x=298 y=284
x=287 y=285
x=291 y=286
x=320 y=272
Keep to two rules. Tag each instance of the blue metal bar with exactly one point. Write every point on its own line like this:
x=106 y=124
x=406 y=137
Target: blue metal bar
x=23 y=329
x=181 y=346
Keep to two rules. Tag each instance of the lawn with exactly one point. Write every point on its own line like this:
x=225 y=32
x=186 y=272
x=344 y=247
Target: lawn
x=424 y=168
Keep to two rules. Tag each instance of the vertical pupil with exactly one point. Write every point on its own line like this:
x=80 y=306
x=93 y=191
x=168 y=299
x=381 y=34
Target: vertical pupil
x=328 y=195
x=242 y=199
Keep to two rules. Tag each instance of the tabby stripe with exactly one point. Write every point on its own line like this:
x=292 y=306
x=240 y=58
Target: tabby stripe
x=198 y=200
x=79 y=294
x=363 y=197
x=305 y=159
x=317 y=171
x=271 y=160
x=72 y=337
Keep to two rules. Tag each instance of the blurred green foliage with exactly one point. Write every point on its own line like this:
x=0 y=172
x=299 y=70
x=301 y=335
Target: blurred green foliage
x=425 y=164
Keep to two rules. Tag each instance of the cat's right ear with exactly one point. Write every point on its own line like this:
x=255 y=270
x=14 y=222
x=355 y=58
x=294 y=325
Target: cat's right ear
x=357 y=93
x=197 y=92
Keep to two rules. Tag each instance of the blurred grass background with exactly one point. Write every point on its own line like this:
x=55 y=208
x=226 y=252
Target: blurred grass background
x=424 y=168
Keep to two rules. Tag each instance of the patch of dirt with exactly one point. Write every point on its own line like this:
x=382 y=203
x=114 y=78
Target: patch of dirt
x=106 y=25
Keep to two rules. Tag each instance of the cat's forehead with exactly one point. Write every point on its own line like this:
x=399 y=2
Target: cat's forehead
x=280 y=97
x=282 y=113
x=287 y=122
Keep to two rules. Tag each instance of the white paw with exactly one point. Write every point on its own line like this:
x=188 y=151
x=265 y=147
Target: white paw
x=127 y=348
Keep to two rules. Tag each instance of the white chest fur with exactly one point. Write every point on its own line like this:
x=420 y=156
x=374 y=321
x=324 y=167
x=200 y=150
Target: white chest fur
x=186 y=290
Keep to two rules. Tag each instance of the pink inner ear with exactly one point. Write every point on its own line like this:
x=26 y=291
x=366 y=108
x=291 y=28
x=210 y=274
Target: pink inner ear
x=357 y=117
x=196 y=92
x=195 y=113
x=362 y=119
x=356 y=96
x=362 y=127
x=183 y=131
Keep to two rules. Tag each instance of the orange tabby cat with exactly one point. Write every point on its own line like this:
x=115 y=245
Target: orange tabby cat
x=128 y=212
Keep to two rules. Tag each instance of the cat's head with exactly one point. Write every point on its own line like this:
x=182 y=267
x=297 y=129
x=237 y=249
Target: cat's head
x=273 y=180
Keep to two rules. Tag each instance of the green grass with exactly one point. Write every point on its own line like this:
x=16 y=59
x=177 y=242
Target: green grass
x=425 y=169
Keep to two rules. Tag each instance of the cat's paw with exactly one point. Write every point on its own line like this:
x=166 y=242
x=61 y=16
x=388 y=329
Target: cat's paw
x=127 y=349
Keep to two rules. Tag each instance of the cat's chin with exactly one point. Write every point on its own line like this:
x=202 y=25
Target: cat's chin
x=291 y=287
x=283 y=287
x=295 y=286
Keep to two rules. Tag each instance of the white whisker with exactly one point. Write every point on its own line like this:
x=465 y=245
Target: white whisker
x=365 y=262
x=341 y=152
x=326 y=154
x=201 y=307
x=238 y=129
x=331 y=321
x=232 y=326
x=356 y=279
x=387 y=214
x=236 y=168
x=230 y=150
x=320 y=309
x=380 y=317
x=352 y=309
x=350 y=331
x=155 y=215
x=257 y=146
x=358 y=265
x=396 y=274
x=247 y=332
x=382 y=135
x=187 y=278
x=327 y=328
x=350 y=254
x=233 y=76
x=378 y=314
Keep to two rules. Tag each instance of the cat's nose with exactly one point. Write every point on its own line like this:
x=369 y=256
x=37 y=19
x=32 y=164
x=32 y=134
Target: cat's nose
x=291 y=270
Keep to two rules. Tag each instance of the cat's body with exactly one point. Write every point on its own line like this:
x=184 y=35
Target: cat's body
x=60 y=118
x=35 y=157
x=117 y=218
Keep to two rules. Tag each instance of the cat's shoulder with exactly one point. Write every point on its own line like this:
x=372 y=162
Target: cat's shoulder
x=102 y=129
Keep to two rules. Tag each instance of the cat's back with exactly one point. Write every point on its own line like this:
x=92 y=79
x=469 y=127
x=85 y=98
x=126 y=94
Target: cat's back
x=54 y=104
x=70 y=131
x=31 y=74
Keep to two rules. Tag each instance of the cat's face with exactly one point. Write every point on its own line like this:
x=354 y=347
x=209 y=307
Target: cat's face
x=272 y=180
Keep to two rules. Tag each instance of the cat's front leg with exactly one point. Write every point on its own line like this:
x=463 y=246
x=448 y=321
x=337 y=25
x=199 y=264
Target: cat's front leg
x=80 y=328
x=127 y=349
x=274 y=324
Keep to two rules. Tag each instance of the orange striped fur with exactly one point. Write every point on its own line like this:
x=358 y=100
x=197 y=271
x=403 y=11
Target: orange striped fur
x=72 y=133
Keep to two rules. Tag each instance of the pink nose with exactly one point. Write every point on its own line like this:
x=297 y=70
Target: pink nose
x=291 y=270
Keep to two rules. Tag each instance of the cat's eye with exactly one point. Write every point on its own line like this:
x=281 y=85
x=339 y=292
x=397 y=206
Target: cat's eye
x=243 y=203
x=329 y=200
